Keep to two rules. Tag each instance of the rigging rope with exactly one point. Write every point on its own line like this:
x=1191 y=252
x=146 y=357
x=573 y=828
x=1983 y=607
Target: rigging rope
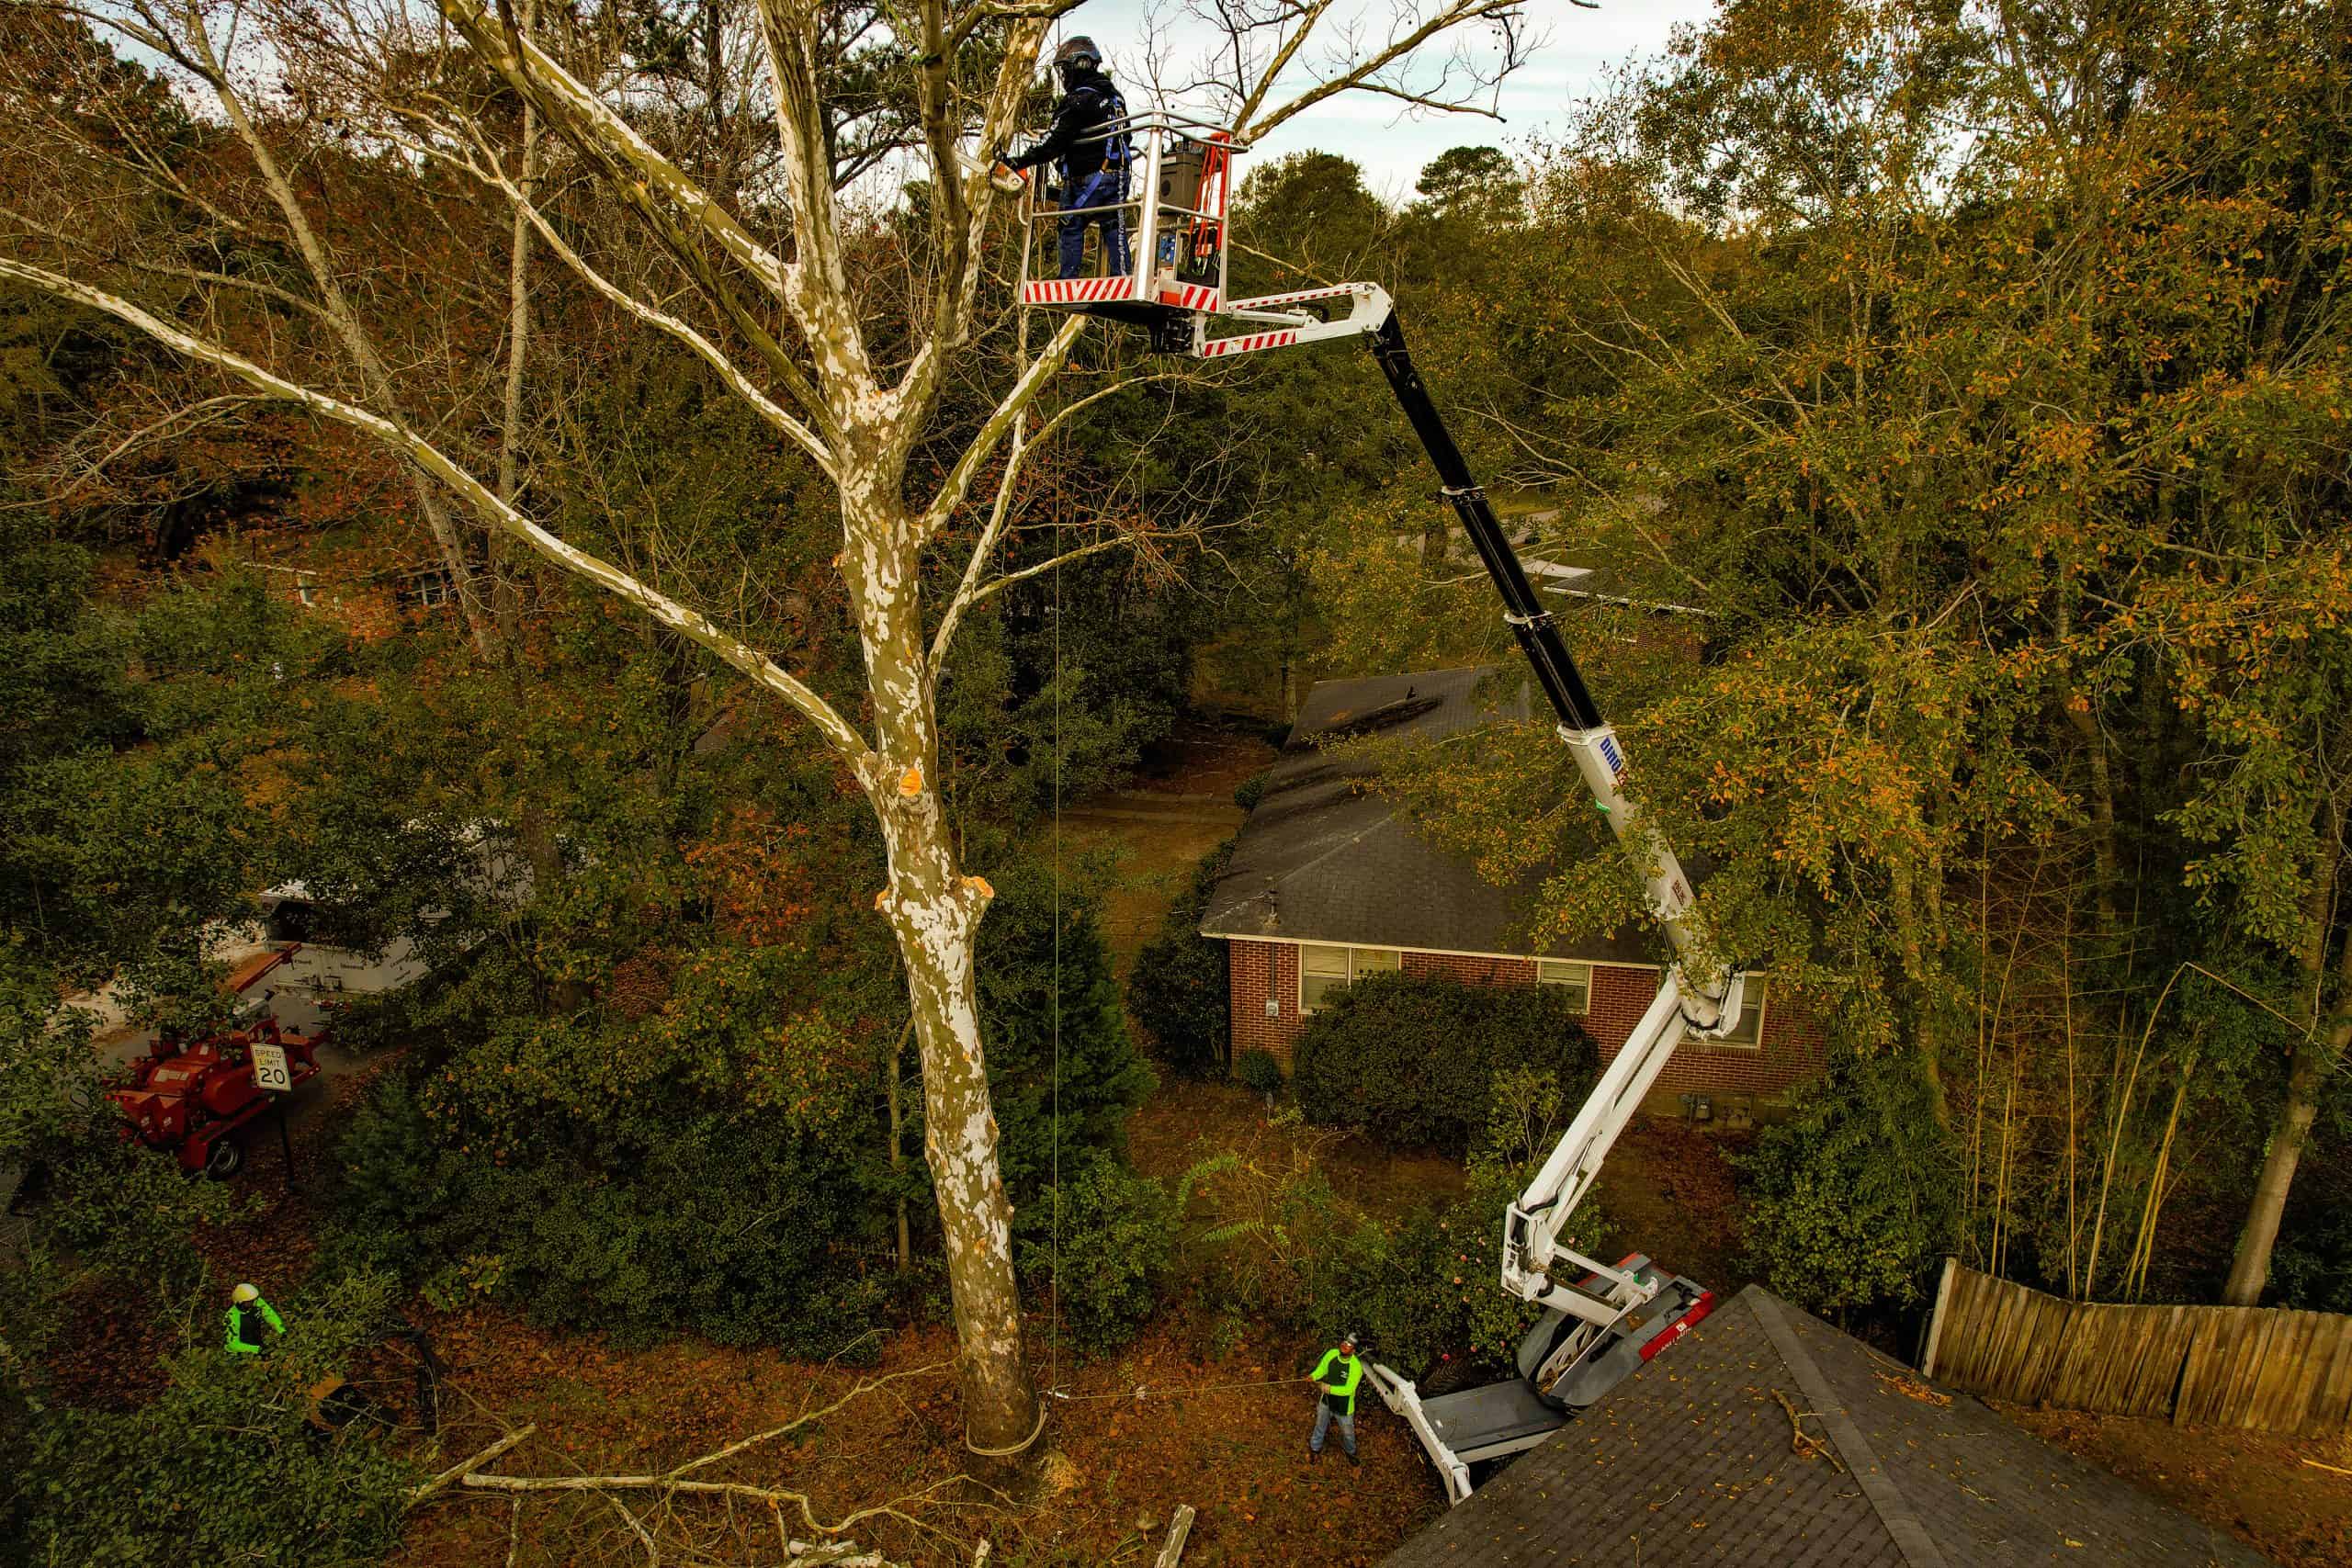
x=1140 y=1390
x=971 y=1446
x=1054 y=1376
x=1054 y=1265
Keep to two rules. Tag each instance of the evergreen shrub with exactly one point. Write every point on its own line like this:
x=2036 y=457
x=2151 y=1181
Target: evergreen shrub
x=1414 y=1059
x=1179 y=990
x=1260 y=1071
x=1117 y=1238
x=1849 y=1199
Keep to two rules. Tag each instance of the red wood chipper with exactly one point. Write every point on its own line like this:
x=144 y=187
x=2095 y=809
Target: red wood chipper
x=193 y=1096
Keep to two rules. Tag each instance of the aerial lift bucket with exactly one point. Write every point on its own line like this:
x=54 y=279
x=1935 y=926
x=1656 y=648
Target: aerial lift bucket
x=1174 y=213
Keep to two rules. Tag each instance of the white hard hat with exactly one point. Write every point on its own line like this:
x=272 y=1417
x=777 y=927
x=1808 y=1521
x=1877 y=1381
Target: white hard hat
x=244 y=1293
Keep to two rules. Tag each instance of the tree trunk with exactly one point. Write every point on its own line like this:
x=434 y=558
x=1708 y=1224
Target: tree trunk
x=2250 y=1270
x=2306 y=1073
x=508 y=561
x=2106 y=857
x=345 y=323
x=936 y=912
x=506 y=558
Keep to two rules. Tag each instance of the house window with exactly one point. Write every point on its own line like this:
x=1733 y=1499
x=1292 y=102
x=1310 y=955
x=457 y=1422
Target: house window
x=1749 y=1029
x=1576 y=980
x=428 y=589
x=1327 y=971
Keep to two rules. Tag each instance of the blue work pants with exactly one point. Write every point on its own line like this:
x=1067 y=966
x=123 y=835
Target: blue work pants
x=1105 y=187
x=1325 y=1417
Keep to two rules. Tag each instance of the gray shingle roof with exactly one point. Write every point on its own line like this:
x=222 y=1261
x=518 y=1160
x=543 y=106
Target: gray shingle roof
x=1688 y=1461
x=1324 y=858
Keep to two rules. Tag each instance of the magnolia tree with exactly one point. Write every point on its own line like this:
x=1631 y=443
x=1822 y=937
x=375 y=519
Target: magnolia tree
x=794 y=195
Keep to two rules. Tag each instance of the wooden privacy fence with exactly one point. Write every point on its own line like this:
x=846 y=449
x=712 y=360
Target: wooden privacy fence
x=2262 y=1368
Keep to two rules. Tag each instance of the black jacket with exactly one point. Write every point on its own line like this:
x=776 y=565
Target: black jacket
x=1076 y=141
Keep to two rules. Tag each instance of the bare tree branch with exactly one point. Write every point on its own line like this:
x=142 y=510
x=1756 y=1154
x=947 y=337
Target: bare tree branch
x=531 y=69
x=472 y=1462
x=343 y=319
x=750 y=660
x=709 y=353
x=983 y=444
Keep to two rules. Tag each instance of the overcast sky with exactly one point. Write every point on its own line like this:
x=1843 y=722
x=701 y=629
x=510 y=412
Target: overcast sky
x=1581 y=46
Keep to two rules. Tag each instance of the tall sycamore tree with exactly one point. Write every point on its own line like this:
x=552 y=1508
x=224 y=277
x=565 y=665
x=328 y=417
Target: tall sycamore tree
x=840 y=320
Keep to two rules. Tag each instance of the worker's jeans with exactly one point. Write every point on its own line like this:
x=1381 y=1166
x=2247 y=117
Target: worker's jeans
x=1324 y=1418
x=1105 y=187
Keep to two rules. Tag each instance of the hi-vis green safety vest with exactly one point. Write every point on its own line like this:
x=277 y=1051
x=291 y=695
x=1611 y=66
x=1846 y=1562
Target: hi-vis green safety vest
x=1351 y=1373
x=237 y=1344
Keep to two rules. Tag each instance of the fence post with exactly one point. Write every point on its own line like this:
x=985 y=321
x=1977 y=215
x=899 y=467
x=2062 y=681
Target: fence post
x=1936 y=1318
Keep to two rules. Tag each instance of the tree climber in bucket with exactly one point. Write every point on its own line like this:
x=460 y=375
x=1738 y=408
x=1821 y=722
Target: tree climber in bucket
x=1092 y=159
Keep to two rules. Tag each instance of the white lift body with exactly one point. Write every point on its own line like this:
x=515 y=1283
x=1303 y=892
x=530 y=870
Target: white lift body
x=1600 y=1321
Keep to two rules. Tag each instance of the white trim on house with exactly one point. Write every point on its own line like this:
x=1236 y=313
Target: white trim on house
x=1763 y=985
x=1432 y=952
x=1298 y=978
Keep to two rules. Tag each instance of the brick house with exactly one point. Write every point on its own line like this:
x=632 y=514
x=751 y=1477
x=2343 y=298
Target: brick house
x=1328 y=882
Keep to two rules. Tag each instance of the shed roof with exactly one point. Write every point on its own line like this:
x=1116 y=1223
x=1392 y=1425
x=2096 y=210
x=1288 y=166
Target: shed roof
x=1689 y=1461
x=1323 y=858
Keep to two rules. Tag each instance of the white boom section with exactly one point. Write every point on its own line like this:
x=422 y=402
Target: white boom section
x=1532 y=1229
x=1286 y=327
x=1531 y=1241
x=1398 y=1392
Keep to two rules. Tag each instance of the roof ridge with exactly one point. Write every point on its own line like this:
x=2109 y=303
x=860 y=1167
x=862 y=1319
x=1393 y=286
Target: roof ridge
x=1350 y=842
x=1879 y=1489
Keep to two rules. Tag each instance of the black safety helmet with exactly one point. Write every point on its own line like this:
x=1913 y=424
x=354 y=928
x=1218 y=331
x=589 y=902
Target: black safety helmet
x=1077 y=54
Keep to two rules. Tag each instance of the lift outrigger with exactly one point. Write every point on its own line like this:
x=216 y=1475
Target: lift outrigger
x=1599 y=1322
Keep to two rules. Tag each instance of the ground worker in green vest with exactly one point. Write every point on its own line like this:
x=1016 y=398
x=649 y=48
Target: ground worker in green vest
x=1337 y=1375
x=245 y=1307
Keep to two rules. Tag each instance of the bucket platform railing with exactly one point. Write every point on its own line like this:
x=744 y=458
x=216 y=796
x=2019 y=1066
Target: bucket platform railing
x=1178 y=186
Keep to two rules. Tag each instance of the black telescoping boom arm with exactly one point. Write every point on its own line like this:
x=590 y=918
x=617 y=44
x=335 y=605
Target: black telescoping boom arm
x=1531 y=623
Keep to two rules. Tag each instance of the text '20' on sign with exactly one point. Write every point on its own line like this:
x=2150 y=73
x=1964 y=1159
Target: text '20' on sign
x=270 y=1070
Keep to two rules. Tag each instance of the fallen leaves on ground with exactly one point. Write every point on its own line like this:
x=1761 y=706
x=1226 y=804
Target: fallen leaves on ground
x=1912 y=1388
x=1237 y=1454
x=2244 y=1482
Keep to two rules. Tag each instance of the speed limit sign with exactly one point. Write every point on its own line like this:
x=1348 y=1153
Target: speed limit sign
x=270 y=1070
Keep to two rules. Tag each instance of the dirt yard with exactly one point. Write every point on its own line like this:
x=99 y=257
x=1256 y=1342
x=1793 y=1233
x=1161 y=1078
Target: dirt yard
x=1186 y=1121
x=1133 y=1435
x=2257 y=1487
x=1668 y=1190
